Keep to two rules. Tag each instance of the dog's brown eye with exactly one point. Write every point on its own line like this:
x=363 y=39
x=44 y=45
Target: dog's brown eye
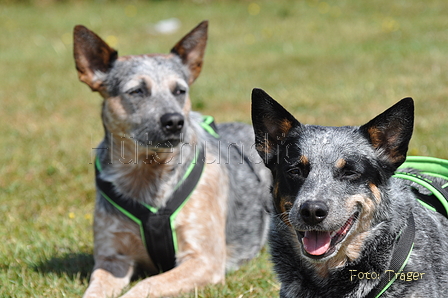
x=300 y=170
x=136 y=92
x=350 y=174
x=179 y=91
x=295 y=172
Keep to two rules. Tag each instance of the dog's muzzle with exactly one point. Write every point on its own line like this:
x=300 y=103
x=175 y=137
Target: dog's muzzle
x=319 y=244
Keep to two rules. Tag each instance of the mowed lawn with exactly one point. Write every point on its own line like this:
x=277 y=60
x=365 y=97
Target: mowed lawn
x=330 y=63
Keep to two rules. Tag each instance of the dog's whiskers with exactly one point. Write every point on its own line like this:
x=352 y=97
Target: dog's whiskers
x=284 y=221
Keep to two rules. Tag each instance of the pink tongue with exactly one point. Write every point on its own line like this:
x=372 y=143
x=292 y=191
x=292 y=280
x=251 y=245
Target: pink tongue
x=316 y=243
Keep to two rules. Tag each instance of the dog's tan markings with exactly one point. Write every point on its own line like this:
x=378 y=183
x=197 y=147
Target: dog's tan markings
x=375 y=136
x=368 y=209
x=387 y=142
x=285 y=126
x=115 y=109
x=287 y=205
x=283 y=204
x=276 y=189
x=279 y=201
x=115 y=115
x=353 y=245
x=340 y=163
x=356 y=246
x=187 y=106
x=275 y=133
x=304 y=160
x=395 y=156
x=375 y=192
x=277 y=129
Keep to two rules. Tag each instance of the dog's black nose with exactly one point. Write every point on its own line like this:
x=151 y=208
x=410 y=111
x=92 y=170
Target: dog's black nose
x=172 y=122
x=313 y=212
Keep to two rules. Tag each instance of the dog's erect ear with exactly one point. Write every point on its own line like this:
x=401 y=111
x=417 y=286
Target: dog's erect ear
x=391 y=131
x=271 y=122
x=92 y=57
x=191 y=49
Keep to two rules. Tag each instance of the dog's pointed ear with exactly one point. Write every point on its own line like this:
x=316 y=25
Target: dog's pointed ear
x=93 y=57
x=271 y=123
x=191 y=49
x=391 y=131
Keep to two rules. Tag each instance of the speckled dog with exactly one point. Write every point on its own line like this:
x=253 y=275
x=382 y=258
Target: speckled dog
x=341 y=220
x=151 y=140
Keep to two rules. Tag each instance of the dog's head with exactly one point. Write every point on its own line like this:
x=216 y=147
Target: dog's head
x=330 y=181
x=145 y=96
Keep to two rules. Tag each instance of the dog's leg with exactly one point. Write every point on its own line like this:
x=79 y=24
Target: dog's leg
x=117 y=245
x=202 y=250
x=184 y=278
x=104 y=283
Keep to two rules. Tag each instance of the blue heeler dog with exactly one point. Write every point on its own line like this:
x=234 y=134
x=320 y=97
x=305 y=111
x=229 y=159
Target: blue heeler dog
x=176 y=197
x=341 y=221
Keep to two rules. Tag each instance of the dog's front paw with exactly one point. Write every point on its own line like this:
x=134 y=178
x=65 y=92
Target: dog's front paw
x=140 y=290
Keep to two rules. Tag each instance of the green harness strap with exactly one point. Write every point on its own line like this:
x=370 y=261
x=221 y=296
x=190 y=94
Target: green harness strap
x=431 y=166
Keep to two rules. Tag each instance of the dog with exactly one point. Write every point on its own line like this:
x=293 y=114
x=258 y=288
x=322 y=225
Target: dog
x=340 y=217
x=152 y=138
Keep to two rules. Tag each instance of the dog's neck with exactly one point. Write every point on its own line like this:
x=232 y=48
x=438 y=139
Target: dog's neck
x=141 y=173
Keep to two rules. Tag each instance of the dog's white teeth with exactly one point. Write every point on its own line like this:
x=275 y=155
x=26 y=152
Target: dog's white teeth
x=333 y=234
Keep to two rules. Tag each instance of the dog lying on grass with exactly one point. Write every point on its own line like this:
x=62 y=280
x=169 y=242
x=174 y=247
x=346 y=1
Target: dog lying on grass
x=153 y=146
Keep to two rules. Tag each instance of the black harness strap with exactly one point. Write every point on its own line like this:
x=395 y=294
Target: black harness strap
x=157 y=233
x=438 y=192
x=433 y=201
x=403 y=249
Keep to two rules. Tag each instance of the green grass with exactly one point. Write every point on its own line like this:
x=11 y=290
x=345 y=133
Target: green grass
x=330 y=63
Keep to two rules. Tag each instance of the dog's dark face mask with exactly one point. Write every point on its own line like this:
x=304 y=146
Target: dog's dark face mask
x=328 y=180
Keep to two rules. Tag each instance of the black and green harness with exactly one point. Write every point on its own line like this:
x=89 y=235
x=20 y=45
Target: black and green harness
x=157 y=224
x=437 y=201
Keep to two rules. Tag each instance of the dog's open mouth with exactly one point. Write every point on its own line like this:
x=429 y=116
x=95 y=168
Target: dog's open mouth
x=319 y=244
